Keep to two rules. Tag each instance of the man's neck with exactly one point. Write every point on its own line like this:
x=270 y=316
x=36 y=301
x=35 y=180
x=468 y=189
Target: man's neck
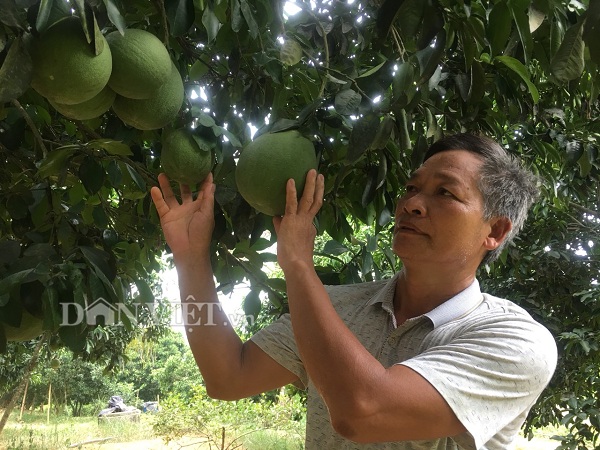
x=418 y=292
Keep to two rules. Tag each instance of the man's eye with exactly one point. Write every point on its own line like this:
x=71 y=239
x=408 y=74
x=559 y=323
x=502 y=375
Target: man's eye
x=411 y=188
x=446 y=192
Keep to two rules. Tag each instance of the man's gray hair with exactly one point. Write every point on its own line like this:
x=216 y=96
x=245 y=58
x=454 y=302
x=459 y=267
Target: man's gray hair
x=508 y=189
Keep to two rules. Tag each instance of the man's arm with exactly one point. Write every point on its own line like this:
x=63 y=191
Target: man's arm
x=366 y=401
x=231 y=369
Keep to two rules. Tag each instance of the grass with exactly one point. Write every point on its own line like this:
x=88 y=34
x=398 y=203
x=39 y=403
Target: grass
x=33 y=433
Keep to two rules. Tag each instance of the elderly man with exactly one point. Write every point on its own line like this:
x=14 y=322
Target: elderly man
x=424 y=360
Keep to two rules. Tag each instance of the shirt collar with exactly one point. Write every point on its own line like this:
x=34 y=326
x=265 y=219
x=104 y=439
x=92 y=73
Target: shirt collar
x=452 y=309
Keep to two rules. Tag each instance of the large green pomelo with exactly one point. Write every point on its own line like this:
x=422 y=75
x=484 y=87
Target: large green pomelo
x=65 y=68
x=266 y=164
x=154 y=112
x=30 y=328
x=94 y=107
x=141 y=63
x=185 y=158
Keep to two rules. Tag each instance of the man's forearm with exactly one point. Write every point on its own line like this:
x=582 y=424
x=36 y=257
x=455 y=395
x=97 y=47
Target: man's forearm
x=338 y=364
x=215 y=345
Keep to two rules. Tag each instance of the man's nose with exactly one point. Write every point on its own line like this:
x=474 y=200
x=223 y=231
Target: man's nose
x=415 y=205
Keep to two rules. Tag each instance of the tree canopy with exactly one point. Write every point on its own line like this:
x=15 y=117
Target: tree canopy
x=372 y=83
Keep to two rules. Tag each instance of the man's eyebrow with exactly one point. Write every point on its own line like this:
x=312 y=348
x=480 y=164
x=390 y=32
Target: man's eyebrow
x=442 y=176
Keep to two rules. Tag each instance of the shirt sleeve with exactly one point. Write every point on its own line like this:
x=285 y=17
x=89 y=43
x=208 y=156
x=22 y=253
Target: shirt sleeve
x=490 y=374
x=277 y=341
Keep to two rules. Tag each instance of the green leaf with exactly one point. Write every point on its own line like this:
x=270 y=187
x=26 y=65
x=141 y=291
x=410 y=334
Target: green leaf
x=181 y=16
x=112 y=147
x=410 y=17
x=371 y=71
x=334 y=248
x=205 y=119
x=136 y=177
x=211 y=23
x=56 y=161
x=16 y=72
x=347 y=102
x=284 y=125
x=15 y=279
x=517 y=67
x=252 y=306
x=498 y=29
x=91 y=173
x=198 y=70
x=115 y=176
x=145 y=293
x=237 y=20
x=430 y=57
x=9 y=251
x=115 y=17
x=363 y=135
x=101 y=268
x=249 y=18
x=9 y=14
x=386 y=15
x=568 y=62
x=404 y=79
x=41 y=22
x=519 y=10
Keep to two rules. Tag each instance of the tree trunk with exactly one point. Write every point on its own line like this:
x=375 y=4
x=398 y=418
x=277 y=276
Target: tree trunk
x=21 y=386
x=24 y=398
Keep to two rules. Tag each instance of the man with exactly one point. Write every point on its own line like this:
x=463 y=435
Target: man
x=421 y=361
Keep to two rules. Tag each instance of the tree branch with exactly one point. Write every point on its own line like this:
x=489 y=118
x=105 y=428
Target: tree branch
x=585 y=210
x=160 y=7
x=34 y=129
x=325 y=45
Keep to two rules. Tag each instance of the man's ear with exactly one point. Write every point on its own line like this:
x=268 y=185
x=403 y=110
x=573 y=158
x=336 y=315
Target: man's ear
x=500 y=227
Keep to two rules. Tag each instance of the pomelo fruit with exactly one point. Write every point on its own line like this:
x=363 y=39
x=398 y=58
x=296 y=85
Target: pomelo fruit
x=154 y=112
x=30 y=328
x=185 y=158
x=265 y=165
x=90 y=109
x=141 y=63
x=65 y=68
x=290 y=52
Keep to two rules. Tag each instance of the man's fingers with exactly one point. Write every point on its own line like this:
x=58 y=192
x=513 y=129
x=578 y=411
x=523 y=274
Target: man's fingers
x=291 y=199
x=157 y=197
x=318 y=194
x=206 y=195
x=309 y=190
x=167 y=192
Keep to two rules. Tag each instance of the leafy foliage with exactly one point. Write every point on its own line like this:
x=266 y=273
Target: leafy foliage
x=229 y=422
x=377 y=82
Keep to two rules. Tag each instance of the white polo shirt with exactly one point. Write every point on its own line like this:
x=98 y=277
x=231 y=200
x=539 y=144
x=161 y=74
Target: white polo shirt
x=485 y=355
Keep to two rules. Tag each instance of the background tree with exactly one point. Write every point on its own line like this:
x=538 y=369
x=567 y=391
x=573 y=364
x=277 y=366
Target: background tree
x=372 y=84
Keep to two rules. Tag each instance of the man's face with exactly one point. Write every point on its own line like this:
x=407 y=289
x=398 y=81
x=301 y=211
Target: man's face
x=440 y=217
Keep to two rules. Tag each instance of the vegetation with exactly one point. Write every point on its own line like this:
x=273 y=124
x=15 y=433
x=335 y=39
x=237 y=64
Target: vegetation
x=375 y=83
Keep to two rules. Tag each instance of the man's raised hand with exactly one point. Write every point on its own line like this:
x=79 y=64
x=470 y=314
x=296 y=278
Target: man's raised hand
x=295 y=230
x=187 y=225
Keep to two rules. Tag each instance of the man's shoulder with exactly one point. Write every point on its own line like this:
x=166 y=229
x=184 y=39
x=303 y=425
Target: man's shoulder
x=355 y=293
x=496 y=313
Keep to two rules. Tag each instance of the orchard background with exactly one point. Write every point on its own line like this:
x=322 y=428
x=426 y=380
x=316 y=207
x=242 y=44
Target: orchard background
x=376 y=83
